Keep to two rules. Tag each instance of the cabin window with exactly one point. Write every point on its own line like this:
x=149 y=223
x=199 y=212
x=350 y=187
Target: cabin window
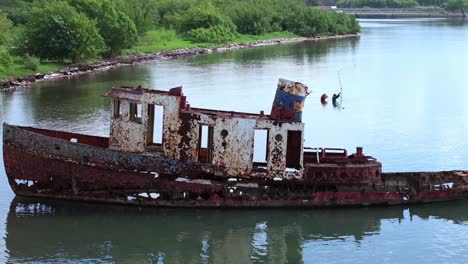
x=116 y=108
x=205 y=144
x=293 y=149
x=135 y=112
x=155 y=124
x=260 y=155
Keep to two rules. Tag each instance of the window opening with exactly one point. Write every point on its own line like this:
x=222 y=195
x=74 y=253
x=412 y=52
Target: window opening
x=261 y=146
x=135 y=112
x=155 y=124
x=205 y=144
x=116 y=110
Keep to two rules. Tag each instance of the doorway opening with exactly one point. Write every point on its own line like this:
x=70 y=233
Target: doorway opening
x=293 y=149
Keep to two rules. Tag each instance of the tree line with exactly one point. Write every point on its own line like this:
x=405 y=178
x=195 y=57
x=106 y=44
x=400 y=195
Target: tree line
x=377 y=3
x=449 y=5
x=80 y=30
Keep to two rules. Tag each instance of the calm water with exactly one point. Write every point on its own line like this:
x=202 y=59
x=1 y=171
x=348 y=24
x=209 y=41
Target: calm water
x=405 y=100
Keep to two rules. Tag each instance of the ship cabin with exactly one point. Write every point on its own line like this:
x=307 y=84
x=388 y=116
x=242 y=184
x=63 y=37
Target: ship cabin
x=229 y=144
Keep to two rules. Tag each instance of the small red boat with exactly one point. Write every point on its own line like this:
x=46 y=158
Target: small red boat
x=163 y=152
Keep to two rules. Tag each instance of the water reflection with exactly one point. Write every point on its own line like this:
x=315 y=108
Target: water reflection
x=299 y=53
x=58 y=231
x=54 y=231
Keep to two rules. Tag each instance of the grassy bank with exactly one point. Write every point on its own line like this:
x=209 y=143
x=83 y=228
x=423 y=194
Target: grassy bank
x=151 y=42
x=166 y=40
x=18 y=69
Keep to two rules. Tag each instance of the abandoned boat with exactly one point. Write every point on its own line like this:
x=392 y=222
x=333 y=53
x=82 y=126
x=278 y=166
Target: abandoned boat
x=205 y=158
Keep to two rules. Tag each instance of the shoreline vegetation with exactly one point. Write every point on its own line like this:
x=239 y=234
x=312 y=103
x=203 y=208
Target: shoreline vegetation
x=76 y=69
x=403 y=8
x=50 y=35
x=384 y=13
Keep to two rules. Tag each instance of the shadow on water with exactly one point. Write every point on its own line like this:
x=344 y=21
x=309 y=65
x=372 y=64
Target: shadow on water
x=49 y=231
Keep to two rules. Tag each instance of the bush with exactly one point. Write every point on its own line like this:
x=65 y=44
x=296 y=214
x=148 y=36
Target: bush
x=214 y=34
x=203 y=15
x=260 y=16
x=5 y=25
x=31 y=62
x=344 y=24
x=310 y=22
x=203 y=22
x=313 y=21
x=6 y=60
x=251 y=19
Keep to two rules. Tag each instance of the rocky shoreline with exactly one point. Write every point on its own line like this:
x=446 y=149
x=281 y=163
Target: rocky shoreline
x=75 y=69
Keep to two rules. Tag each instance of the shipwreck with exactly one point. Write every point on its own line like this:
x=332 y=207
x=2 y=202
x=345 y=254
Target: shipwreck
x=163 y=152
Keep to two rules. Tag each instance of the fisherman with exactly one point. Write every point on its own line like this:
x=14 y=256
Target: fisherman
x=335 y=97
x=335 y=102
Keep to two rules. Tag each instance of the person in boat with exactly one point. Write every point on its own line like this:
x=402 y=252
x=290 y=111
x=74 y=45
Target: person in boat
x=323 y=99
x=335 y=99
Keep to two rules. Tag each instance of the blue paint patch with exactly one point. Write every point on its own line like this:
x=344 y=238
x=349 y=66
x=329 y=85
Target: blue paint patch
x=287 y=100
x=298 y=116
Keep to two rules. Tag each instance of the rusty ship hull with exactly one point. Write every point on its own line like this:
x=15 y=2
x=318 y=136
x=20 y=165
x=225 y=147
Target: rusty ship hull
x=54 y=164
x=192 y=157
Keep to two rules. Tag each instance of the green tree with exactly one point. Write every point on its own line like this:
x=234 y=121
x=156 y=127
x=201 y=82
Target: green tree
x=5 y=25
x=115 y=27
x=310 y=22
x=144 y=13
x=59 y=32
x=456 y=5
x=169 y=12
x=6 y=35
x=253 y=19
x=19 y=12
x=377 y=3
x=256 y=17
x=432 y=2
